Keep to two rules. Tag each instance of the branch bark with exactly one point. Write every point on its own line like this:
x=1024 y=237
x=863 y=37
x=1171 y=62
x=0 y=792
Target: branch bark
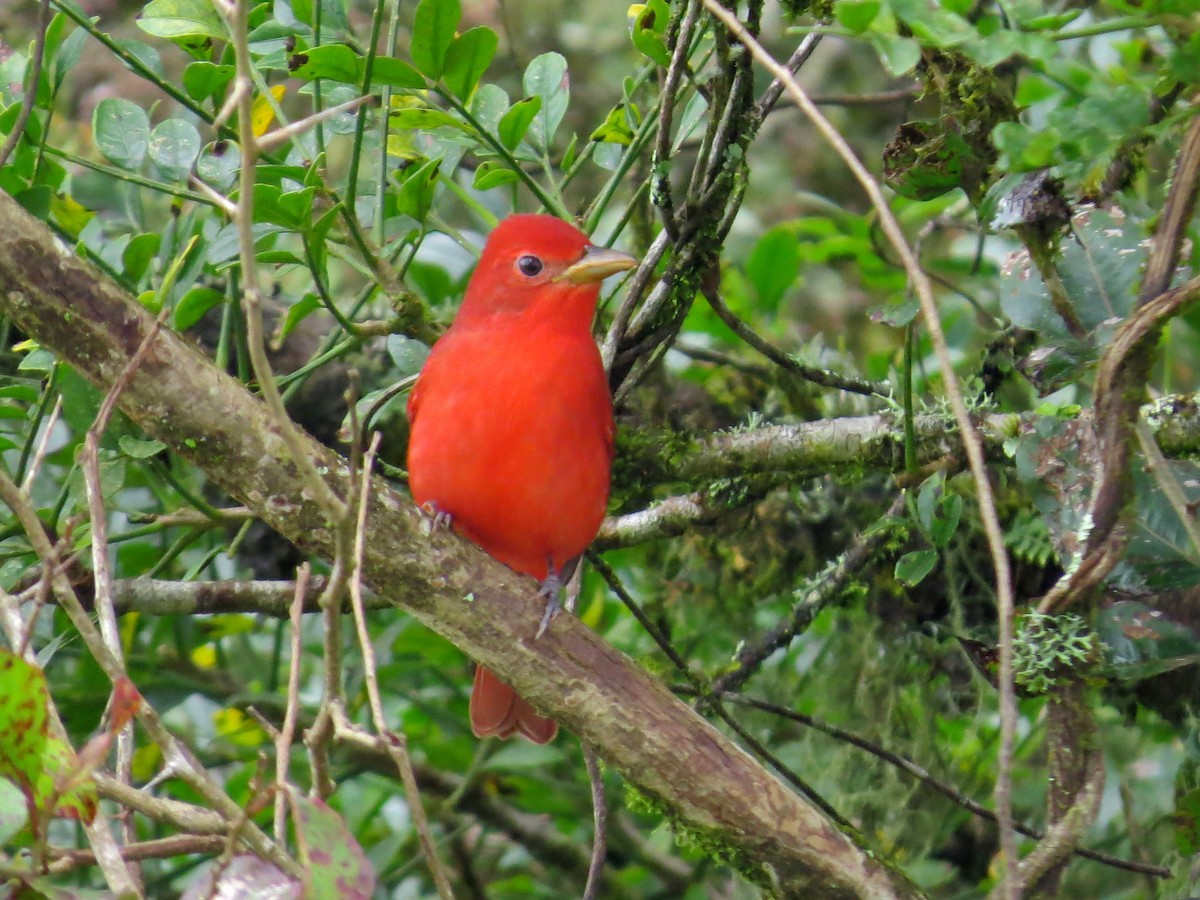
x=633 y=720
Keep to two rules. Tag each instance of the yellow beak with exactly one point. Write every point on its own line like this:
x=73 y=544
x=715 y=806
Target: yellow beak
x=596 y=264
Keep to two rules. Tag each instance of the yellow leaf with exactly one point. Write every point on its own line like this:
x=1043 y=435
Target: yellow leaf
x=401 y=144
x=593 y=613
x=69 y=214
x=205 y=656
x=264 y=113
x=237 y=727
x=145 y=761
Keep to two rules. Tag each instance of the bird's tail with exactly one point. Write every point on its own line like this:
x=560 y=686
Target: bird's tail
x=496 y=709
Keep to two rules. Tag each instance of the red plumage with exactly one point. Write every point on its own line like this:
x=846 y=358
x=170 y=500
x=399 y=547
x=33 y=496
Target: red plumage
x=512 y=429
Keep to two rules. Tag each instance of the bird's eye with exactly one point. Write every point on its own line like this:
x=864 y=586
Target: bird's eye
x=529 y=265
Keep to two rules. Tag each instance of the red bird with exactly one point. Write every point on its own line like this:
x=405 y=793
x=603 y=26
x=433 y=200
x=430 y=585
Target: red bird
x=512 y=427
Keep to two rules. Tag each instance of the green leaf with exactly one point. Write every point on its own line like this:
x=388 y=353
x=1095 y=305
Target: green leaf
x=122 y=132
x=773 y=266
x=1140 y=642
x=174 y=146
x=297 y=313
x=546 y=78
x=194 y=304
x=219 y=164
x=140 y=449
x=334 y=864
x=856 y=15
x=68 y=55
x=515 y=122
x=492 y=173
x=424 y=119
x=912 y=567
x=467 y=60
x=138 y=254
x=202 y=80
x=182 y=19
x=1160 y=547
x=337 y=62
x=614 y=129
x=488 y=106
x=648 y=31
x=1187 y=822
x=144 y=54
x=394 y=73
x=434 y=25
x=1099 y=270
x=416 y=190
x=900 y=55
x=693 y=115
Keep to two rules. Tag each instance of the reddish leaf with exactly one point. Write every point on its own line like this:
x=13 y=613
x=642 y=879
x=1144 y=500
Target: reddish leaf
x=43 y=766
x=334 y=863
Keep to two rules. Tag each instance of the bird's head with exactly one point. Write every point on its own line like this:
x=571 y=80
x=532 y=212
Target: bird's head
x=538 y=260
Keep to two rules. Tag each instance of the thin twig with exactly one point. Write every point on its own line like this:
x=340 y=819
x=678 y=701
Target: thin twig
x=68 y=859
x=679 y=42
x=102 y=572
x=283 y=742
x=396 y=742
x=785 y=361
x=707 y=698
x=33 y=75
x=282 y=135
x=600 y=824
x=968 y=434
x=43 y=445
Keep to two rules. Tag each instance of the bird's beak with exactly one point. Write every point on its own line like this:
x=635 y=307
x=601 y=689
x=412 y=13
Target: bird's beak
x=596 y=264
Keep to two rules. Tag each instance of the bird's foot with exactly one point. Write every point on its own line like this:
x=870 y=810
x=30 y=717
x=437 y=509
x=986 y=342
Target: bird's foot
x=550 y=589
x=439 y=519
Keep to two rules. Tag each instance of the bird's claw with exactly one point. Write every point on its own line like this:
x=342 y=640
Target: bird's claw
x=439 y=519
x=549 y=589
